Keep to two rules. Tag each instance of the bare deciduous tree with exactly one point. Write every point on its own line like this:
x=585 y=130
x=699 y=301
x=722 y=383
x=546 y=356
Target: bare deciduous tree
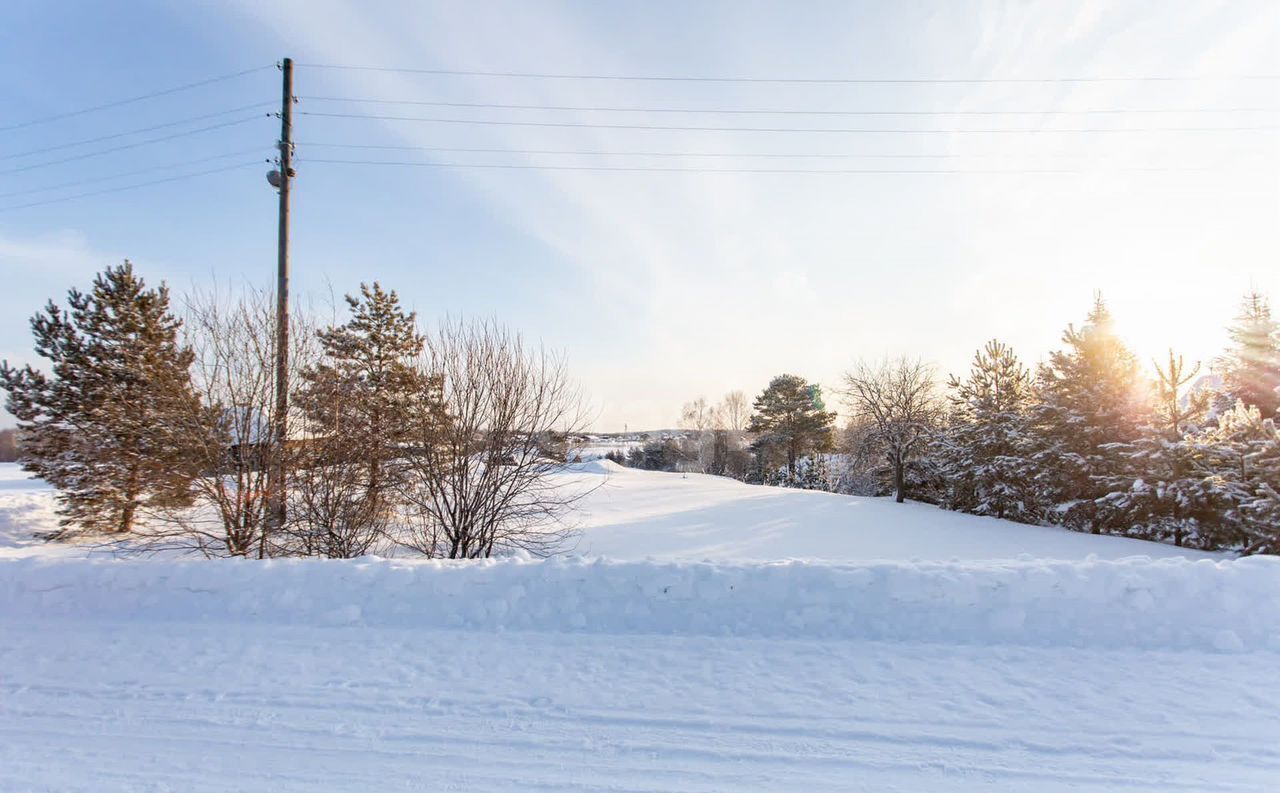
x=730 y=418
x=479 y=473
x=700 y=418
x=896 y=403
x=734 y=412
x=228 y=436
x=697 y=415
x=332 y=510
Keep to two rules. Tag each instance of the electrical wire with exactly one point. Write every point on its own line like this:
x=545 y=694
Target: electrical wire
x=131 y=186
x=597 y=153
x=647 y=169
x=787 y=80
x=680 y=154
x=863 y=130
x=136 y=144
x=795 y=112
x=132 y=100
x=138 y=131
x=126 y=174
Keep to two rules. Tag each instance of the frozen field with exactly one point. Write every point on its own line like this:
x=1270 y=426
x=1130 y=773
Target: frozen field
x=928 y=652
x=634 y=514
x=639 y=514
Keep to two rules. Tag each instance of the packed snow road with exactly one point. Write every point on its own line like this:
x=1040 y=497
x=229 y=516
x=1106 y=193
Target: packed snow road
x=523 y=675
x=222 y=707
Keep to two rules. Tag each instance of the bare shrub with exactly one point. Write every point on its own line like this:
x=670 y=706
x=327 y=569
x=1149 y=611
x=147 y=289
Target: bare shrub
x=228 y=435
x=480 y=474
x=896 y=407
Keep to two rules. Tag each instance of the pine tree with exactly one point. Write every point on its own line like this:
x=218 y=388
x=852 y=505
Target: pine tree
x=358 y=403
x=984 y=452
x=1262 y=511
x=1088 y=406
x=1250 y=370
x=1243 y=456
x=99 y=428
x=816 y=474
x=1161 y=491
x=367 y=380
x=790 y=416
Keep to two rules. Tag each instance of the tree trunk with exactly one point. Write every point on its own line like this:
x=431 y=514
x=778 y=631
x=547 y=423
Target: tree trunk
x=126 y=516
x=898 y=477
x=130 y=508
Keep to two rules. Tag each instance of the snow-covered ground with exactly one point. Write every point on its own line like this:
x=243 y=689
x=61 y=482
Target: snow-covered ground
x=638 y=514
x=913 y=650
x=633 y=514
x=127 y=706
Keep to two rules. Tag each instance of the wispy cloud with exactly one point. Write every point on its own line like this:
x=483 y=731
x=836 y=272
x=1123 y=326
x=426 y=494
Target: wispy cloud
x=723 y=280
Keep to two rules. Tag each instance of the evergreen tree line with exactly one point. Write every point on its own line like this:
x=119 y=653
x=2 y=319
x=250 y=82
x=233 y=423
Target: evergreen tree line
x=161 y=433
x=1085 y=440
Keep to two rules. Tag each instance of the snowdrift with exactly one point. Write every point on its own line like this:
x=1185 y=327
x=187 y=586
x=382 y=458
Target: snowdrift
x=1138 y=602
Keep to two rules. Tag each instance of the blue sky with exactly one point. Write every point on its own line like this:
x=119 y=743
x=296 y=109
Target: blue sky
x=664 y=286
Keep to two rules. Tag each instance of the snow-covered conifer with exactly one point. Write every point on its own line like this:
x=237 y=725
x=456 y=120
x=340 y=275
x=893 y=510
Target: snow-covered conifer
x=358 y=401
x=1243 y=455
x=790 y=418
x=98 y=426
x=983 y=451
x=1250 y=369
x=1089 y=405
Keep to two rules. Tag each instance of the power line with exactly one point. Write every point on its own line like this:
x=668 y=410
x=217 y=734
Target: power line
x=138 y=131
x=131 y=186
x=126 y=174
x=784 y=80
x=132 y=100
x=581 y=125
x=136 y=144
x=597 y=153
x=796 y=112
x=677 y=154
x=649 y=169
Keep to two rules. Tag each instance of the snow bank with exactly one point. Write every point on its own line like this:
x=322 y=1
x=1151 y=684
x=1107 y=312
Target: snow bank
x=1139 y=602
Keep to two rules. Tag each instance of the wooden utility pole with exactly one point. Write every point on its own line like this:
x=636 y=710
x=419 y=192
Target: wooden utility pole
x=277 y=478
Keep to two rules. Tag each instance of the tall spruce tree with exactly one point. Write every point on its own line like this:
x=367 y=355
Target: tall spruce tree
x=366 y=383
x=984 y=451
x=98 y=427
x=1161 y=491
x=359 y=405
x=1242 y=453
x=791 y=417
x=1088 y=404
x=1250 y=369
x=1262 y=510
